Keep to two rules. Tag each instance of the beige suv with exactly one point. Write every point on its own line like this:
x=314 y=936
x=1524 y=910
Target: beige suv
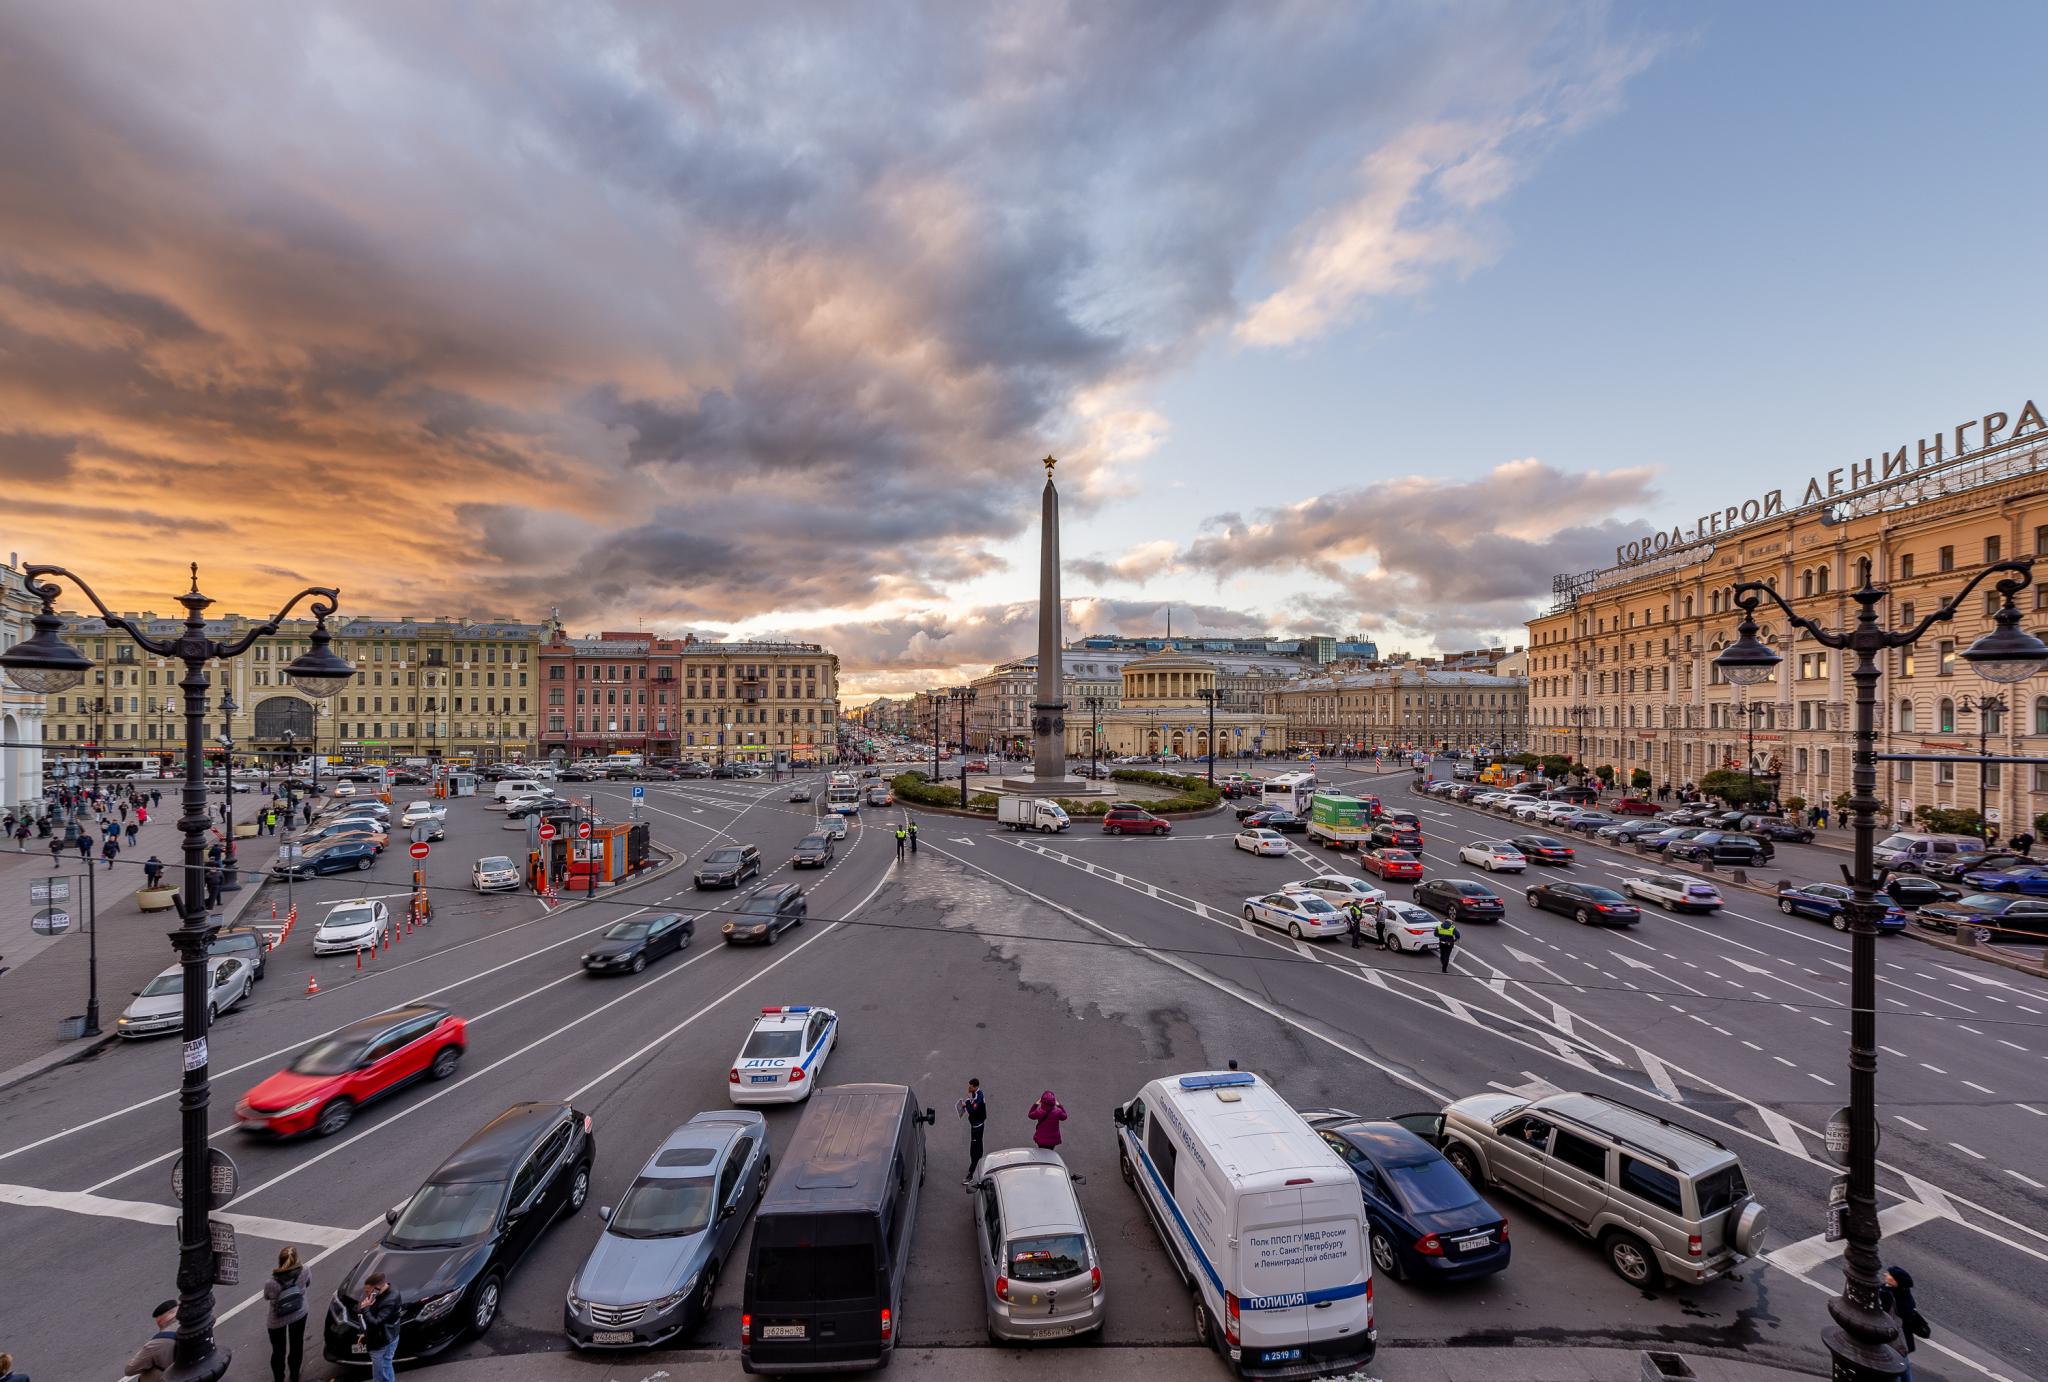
x=1661 y=1200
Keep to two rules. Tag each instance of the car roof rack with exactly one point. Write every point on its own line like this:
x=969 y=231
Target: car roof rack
x=1621 y=1140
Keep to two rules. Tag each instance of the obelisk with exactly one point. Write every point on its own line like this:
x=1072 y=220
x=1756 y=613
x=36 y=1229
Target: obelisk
x=1049 y=708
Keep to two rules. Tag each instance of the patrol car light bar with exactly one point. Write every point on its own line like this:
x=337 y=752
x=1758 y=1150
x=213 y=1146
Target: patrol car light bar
x=792 y=1008
x=1234 y=1078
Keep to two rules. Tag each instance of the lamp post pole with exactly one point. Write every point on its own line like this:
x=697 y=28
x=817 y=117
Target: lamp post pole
x=1986 y=707
x=1208 y=695
x=231 y=877
x=1094 y=704
x=45 y=664
x=1861 y=1339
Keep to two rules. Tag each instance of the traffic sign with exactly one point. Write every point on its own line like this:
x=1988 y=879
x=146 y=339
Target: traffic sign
x=639 y=794
x=419 y=849
x=50 y=921
x=223 y=1179
x=547 y=830
x=583 y=830
x=1836 y=1137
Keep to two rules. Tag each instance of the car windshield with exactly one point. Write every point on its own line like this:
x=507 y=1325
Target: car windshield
x=494 y=864
x=1397 y=856
x=811 y=842
x=225 y=942
x=1052 y=1257
x=1428 y=1187
x=1542 y=842
x=659 y=1207
x=444 y=1214
x=1983 y=902
x=348 y=916
x=172 y=982
x=758 y=907
x=625 y=931
x=1605 y=895
x=333 y=1056
x=721 y=857
x=1471 y=890
x=784 y=1043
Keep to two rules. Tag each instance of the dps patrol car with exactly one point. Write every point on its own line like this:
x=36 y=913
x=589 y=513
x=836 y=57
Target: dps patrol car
x=783 y=1056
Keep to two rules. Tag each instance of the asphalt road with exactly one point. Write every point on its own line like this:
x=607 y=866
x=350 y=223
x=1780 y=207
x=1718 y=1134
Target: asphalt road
x=1086 y=964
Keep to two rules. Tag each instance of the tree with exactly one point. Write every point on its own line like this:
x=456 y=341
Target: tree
x=1605 y=772
x=1555 y=765
x=1735 y=788
x=2041 y=824
x=1640 y=779
x=1950 y=820
x=1795 y=804
x=1842 y=806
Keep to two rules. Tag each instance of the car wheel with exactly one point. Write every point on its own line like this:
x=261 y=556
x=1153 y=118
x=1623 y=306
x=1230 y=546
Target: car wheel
x=1294 y=930
x=1580 y=916
x=1128 y=1171
x=1841 y=921
x=486 y=1308
x=1530 y=898
x=362 y=864
x=579 y=1187
x=1462 y=1162
x=1205 y=1323
x=1385 y=1260
x=336 y=1116
x=1669 y=905
x=707 y=1287
x=1633 y=1261
x=1983 y=935
x=445 y=1061
x=1387 y=941
x=639 y=963
x=1785 y=905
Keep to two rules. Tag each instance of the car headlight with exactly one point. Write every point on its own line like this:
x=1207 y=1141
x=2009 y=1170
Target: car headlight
x=728 y=928
x=577 y=1303
x=586 y=959
x=299 y=1107
x=433 y=1307
x=671 y=1301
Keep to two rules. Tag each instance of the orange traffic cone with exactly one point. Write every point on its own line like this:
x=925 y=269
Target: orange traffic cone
x=359 y=959
x=312 y=986
x=387 y=942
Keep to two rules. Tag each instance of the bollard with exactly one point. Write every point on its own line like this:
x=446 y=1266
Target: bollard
x=359 y=959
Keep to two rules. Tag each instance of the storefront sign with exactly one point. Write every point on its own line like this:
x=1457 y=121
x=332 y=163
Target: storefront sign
x=1886 y=468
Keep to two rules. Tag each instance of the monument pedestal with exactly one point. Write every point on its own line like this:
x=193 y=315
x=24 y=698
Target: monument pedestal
x=1053 y=786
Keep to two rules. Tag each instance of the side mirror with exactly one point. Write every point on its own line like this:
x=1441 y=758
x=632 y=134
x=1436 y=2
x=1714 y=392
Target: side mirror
x=929 y=1116
x=391 y=1214
x=1118 y=1116
x=604 y=1211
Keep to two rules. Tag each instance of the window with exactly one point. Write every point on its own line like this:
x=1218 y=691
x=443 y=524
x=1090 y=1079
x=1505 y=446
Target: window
x=1945 y=774
x=1945 y=717
x=1905 y=717
x=1992 y=548
x=1163 y=1153
x=2041 y=540
x=1905 y=566
x=1863 y=568
x=1580 y=1153
x=1651 y=1183
x=1994 y=717
x=1945 y=658
x=2041 y=714
x=1945 y=559
x=1820 y=580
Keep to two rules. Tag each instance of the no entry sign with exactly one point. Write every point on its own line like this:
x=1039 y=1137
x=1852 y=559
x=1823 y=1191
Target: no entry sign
x=419 y=850
x=547 y=830
x=583 y=830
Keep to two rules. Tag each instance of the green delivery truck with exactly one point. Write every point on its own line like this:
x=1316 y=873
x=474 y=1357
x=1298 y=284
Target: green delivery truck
x=1340 y=822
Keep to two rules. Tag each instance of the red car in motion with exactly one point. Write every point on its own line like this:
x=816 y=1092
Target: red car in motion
x=320 y=1091
x=1635 y=806
x=1391 y=863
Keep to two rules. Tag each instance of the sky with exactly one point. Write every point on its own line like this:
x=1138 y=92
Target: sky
x=755 y=320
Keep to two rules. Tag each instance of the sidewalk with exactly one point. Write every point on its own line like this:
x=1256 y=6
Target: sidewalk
x=43 y=979
x=1395 y=1363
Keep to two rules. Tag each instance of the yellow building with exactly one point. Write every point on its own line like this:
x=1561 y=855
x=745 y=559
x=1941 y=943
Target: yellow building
x=1405 y=708
x=1165 y=707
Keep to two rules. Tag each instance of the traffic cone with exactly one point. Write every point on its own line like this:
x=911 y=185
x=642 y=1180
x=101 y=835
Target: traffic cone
x=273 y=909
x=312 y=986
x=359 y=959
x=387 y=942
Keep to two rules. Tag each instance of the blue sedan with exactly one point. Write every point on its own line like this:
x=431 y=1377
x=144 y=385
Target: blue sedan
x=1427 y=1221
x=2029 y=880
x=1830 y=903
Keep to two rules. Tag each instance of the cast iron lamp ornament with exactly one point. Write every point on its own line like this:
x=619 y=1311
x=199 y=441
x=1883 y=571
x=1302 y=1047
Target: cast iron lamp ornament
x=1861 y=1340
x=46 y=664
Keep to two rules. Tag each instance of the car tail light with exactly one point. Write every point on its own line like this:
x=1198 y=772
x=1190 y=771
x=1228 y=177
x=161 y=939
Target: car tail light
x=746 y=1327
x=1503 y=1230
x=1692 y=1245
x=1094 y=1280
x=796 y=1075
x=888 y=1324
x=1232 y=1332
x=1002 y=1288
x=586 y=1122
x=732 y=1076
x=1429 y=1245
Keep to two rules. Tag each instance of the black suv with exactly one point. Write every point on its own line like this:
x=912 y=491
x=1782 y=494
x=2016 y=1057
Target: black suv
x=728 y=867
x=1777 y=828
x=766 y=914
x=1584 y=903
x=1721 y=847
x=1393 y=835
x=449 y=1248
x=243 y=942
x=1459 y=899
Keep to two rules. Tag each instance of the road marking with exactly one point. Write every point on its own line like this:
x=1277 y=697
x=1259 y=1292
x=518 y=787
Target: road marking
x=1966 y=1151
x=1659 y=1075
x=2031 y=1109
x=1890 y=1051
x=1935 y=1068
x=1916 y=1127
x=1808 y=1253
x=2014 y=1044
x=142 y=1212
x=1980 y=1088
x=1782 y=1130
x=2025 y=1180
x=1822 y=1078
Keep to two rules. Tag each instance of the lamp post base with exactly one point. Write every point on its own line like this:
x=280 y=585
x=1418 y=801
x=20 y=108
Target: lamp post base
x=210 y=1368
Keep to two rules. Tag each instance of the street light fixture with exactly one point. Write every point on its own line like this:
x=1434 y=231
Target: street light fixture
x=1862 y=1337
x=47 y=664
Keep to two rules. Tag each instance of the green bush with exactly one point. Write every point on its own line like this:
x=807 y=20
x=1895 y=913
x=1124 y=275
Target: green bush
x=1950 y=820
x=1795 y=805
x=1605 y=772
x=1639 y=779
x=1735 y=788
x=918 y=788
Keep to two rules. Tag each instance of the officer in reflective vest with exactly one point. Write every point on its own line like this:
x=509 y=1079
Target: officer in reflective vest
x=1354 y=921
x=901 y=839
x=1446 y=942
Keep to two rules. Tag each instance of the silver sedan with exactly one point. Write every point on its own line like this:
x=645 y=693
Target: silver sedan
x=1040 y=1276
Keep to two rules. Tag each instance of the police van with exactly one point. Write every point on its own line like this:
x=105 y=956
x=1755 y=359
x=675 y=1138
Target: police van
x=1260 y=1217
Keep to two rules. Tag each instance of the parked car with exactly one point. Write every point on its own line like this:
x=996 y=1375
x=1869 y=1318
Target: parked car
x=649 y=1277
x=1134 y=820
x=1721 y=847
x=159 y=1006
x=1589 y=822
x=320 y=1091
x=1952 y=867
x=1542 y=849
x=1664 y=839
x=1041 y=1278
x=244 y=942
x=1686 y=816
x=1997 y=916
x=630 y=945
x=728 y=866
x=449 y=1247
x=1673 y=893
x=1277 y=818
x=336 y=856
x=1426 y=1220
x=1912 y=890
x=766 y=914
x=547 y=804
x=1336 y=888
x=322 y=834
x=1627 y=832
x=2029 y=880
x=1943 y=856
x=1662 y=1201
x=358 y=924
x=1777 y=828
x=1391 y=864
x=1493 y=856
x=1300 y=915
x=1584 y=903
x=1635 y=806
x=1460 y=899
x=494 y=873
x=1391 y=834
x=1830 y=902
x=812 y=852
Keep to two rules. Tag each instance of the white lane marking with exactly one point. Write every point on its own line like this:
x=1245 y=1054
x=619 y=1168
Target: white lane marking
x=1935 y=1068
x=2025 y=1180
x=1808 y=1253
x=2014 y=1044
x=1782 y=1130
x=1916 y=1127
x=142 y=1212
x=1659 y=1076
x=1978 y=1156
x=1822 y=1078
x=2031 y=1109
x=1980 y=1088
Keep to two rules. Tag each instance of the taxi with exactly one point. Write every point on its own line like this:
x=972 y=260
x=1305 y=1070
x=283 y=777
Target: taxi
x=783 y=1055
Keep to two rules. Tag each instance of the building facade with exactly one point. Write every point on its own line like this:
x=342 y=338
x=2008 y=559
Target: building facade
x=21 y=712
x=1622 y=673
x=1406 y=708
x=1163 y=706
x=1092 y=683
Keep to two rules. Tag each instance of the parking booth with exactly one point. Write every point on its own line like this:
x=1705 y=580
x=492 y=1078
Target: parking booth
x=461 y=784
x=604 y=856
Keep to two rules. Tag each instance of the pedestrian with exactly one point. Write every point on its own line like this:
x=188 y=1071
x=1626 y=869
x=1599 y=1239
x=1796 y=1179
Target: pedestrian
x=1991 y=837
x=133 y=831
x=1446 y=942
x=7 y=1372
x=142 y=815
x=1823 y=823
x=1354 y=922
x=913 y=837
x=1048 y=1115
x=379 y=1306
x=7 y=824
x=21 y=837
x=85 y=845
x=56 y=851
x=156 y=798
x=43 y=826
x=975 y=1109
x=2023 y=843
x=153 y=1359
x=110 y=849
x=1898 y=1299
x=213 y=887
x=152 y=872
x=124 y=813
x=287 y=1291
x=902 y=837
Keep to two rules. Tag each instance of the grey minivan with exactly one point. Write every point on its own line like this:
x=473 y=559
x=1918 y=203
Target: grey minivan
x=1040 y=1276
x=650 y=1276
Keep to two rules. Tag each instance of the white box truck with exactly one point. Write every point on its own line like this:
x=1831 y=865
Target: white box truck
x=1031 y=813
x=1260 y=1217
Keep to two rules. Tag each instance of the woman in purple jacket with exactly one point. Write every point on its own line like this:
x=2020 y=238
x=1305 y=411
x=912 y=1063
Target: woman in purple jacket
x=1048 y=1115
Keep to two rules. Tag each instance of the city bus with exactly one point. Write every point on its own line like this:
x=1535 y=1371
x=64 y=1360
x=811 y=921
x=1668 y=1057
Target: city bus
x=107 y=765
x=842 y=796
x=1289 y=791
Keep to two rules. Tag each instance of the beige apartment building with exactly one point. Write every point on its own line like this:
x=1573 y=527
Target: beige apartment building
x=1621 y=670
x=1405 y=707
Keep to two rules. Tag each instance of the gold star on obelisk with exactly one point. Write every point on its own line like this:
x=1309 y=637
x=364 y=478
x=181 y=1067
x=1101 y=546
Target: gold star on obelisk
x=1049 y=463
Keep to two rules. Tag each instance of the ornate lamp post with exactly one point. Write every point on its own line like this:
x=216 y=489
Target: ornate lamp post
x=231 y=872
x=1209 y=695
x=1578 y=715
x=962 y=696
x=1094 y=705
x=1862 y=1336
x=1990 y=710
x=47 y=664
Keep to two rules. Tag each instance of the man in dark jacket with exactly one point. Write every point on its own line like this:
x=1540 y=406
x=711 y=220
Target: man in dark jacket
x=1898 y=1299
x=153 y=1359
x=380 y=1326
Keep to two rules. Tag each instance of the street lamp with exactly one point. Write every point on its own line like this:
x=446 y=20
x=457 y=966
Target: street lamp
x=1209 y=695
x=46 y=664
x=1862 y=1336
x=231 y=882
x=1988 y=709
x=1094 y=704
x=962 y=696
x=1747 y=711
x=1578 y=715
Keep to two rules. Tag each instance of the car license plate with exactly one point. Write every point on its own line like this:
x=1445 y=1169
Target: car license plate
x=359 y=1347
x=763 y=1079
x=1475 y=1244
x=612 y=1336
x=782 y=1331
x=1279 y=1355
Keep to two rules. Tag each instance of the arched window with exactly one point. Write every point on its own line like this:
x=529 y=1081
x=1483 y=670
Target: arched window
x=2041 y=714
x=1806 y=582
x=1945 y=716
x=1905 y=716
x=1862 y=572
x=1994 y=719
x=1820 y=580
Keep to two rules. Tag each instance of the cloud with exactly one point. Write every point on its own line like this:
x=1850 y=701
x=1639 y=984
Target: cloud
x=688 y=314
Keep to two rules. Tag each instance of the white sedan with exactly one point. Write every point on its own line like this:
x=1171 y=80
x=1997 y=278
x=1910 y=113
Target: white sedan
x=1673 y=893
x=1261 y=842
x=1494 y=856
x=422 y=811
x=1404 y=926
x=783 y=1055
x=1335 y=887
x=1298 y=914
x=349 y=926
x=494 y=874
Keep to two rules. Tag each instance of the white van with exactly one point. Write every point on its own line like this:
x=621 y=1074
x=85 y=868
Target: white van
x=1261 y=1218
x=515 y=791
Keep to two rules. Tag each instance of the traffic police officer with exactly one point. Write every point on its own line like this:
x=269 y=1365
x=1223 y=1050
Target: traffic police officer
x=1354 y=919
x=901 y=839
x=1446 y=942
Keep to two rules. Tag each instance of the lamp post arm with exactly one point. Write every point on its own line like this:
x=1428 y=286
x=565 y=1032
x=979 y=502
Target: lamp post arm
x=2022 y=576
x=47 y=592
x=1747 y=593
x=330 y=598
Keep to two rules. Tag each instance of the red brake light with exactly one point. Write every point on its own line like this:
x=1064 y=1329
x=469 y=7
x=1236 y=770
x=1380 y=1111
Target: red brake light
x=1692 y=1245
x=732 y=1076
x=1503 y=1230
x=1231 y=1321
x=1429 y=1245
x=888 y=1324
x=1094 y=1279
x=586 y=1122
x=1002 y=1288
x=746 y=1327
x=796 y=1075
